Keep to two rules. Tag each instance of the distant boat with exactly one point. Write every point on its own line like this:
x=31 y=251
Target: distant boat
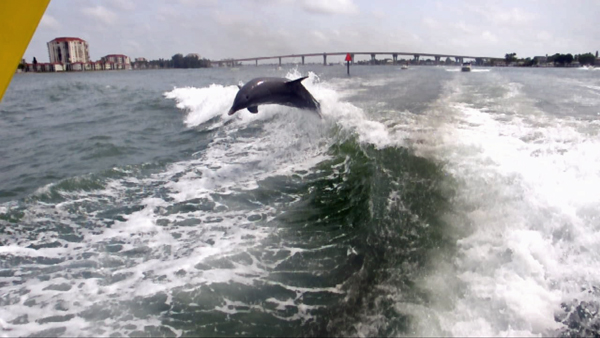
x=466 y=67
x=404 y=67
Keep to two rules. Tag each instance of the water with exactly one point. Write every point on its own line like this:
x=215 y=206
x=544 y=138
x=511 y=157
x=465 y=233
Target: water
x=426 y=202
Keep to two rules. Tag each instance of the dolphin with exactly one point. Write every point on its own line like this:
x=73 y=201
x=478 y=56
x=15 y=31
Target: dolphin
x=274 y=90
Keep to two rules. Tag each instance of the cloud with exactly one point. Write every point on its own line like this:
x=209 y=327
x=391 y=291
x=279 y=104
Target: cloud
x=430 y=23
x=512 y=16
x=199 y=3
x=256 y=37
x=464 y=28
x=489 y=37
x=49 y=22
x=378 y=14
x=246 y=28
x=167 y=13
x=329 y=6
x=101 y=14
x=319 y=38
x=543 y=36
x=125 y=5
x=505 y=16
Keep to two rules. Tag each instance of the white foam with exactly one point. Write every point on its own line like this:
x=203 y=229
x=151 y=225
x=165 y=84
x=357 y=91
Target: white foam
x=283 y=141
x=473 y=70
x=528 y=192
x=203 y=104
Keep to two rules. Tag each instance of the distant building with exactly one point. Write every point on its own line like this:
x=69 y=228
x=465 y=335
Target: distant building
x=117 y=61
x=97 y=65
x=141 y=63
x=44 y=67
x=541 y=60
x=67 y=51
x=77 y=66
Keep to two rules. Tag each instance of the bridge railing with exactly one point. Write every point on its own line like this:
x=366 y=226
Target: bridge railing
x=372 y=54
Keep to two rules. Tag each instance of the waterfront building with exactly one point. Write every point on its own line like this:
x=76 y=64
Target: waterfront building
x=140 y=63
x=77 y=66
x=68 y=50
x=117 y=61
x=541 y=60
x=44 y=67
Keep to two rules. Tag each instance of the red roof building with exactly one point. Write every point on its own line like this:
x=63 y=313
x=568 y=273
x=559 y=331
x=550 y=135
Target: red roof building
x=67 y=50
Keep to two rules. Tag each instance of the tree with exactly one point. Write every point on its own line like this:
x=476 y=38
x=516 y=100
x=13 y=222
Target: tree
x=189 y=61
x=586 y=59
x=177 y=60
x=568 y=58
x=561 y=59
x=510 y=58
x=528 y=62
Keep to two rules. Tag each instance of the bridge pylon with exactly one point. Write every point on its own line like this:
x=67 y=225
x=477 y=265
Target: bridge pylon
x=416 y=59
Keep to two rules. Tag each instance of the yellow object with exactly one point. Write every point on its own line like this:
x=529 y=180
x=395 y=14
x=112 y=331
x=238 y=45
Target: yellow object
x=18 y=21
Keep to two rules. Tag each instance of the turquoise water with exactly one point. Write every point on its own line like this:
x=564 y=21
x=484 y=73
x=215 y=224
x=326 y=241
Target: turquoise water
x=425 y=202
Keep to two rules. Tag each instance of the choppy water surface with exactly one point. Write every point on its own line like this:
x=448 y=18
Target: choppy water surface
x=425 y=202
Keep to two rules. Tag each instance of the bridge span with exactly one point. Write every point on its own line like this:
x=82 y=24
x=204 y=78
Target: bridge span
x=416 y=56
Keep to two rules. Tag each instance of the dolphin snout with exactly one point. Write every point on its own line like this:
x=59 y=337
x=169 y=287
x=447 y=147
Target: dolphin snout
x=231 y=111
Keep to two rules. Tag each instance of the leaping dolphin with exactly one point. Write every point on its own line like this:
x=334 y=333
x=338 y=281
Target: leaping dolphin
x=274 y=90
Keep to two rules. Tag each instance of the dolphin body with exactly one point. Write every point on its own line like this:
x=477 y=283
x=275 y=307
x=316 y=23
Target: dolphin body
x=274 y=90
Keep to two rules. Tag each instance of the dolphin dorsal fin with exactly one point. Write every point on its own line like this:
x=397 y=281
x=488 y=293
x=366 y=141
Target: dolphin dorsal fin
x=297 y=80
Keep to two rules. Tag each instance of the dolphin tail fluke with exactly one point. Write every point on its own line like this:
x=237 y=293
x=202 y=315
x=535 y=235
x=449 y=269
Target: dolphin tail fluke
x=304 y=99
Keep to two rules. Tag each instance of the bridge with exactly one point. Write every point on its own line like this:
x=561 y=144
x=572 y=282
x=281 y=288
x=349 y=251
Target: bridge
x=415 y=56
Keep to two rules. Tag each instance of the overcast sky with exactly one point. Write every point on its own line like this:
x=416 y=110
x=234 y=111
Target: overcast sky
x=218 y=29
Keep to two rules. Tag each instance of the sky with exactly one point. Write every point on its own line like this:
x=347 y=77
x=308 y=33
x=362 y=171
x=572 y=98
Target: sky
x=219 y=29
